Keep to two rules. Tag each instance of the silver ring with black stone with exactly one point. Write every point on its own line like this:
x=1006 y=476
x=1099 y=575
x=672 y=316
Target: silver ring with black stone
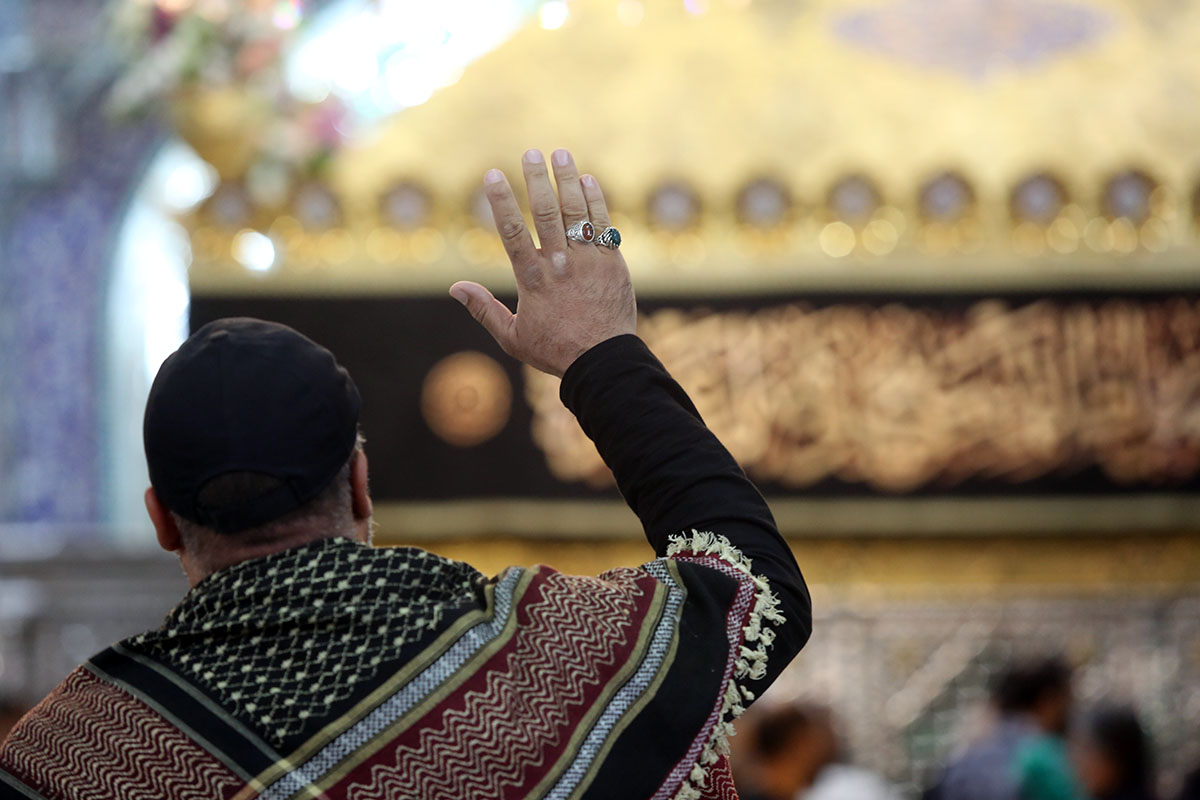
x=610 y=238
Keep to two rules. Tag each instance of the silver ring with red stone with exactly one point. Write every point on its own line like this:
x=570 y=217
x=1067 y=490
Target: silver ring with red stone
x=610 y=238
x=582 y=231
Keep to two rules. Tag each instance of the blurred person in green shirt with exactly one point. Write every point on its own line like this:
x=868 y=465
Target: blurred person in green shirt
x=1023 y=756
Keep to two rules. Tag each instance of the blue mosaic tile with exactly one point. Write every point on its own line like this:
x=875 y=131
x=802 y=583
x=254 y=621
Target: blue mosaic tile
x=57 y=250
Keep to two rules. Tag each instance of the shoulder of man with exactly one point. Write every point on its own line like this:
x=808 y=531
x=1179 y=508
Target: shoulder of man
x=90 y=737
x=622 y=684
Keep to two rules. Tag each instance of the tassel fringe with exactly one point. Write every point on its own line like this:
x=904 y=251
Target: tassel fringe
x=752 y=661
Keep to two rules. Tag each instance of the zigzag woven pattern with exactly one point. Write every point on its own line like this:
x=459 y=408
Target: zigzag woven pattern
x=90 y=740
x=499 y=739
x=720 y=782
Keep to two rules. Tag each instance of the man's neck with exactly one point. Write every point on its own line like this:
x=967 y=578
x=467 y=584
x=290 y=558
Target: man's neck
x=221 y=555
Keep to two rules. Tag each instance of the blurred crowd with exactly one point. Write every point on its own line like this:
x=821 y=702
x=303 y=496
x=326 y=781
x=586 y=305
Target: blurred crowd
x=1033 y=745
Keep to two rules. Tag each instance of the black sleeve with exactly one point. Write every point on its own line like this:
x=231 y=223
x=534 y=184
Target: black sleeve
x=676 y=475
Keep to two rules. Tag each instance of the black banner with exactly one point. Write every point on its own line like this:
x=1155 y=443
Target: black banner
x=818 y=396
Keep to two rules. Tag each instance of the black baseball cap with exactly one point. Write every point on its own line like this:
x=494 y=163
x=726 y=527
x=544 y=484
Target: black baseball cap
x=245 y=395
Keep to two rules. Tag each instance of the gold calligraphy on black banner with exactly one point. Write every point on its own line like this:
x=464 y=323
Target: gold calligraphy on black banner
x=898 y=398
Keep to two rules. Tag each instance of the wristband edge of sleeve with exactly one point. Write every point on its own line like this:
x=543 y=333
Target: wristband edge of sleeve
x=625 y=346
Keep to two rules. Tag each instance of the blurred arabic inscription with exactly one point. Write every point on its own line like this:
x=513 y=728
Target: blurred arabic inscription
x=901 y=398
x=973 y=37
x=466 y=399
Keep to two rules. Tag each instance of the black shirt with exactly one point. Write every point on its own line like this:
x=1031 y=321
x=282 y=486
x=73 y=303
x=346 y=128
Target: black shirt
x=676 y=475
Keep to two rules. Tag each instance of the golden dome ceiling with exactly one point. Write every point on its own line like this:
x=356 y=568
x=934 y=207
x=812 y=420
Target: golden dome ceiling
x=779 y=144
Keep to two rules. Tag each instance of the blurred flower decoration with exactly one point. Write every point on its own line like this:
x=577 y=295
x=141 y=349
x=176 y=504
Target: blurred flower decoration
x=215 y=68
x=946 y=198
x=673 y=206
x=1039 y=199
x=853 y=200
x=763 y=203
x=407 y=206
x=1128 y=195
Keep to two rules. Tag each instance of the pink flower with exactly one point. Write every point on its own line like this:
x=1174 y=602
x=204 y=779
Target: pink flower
x=324 y=122
x=257 y=55
x=163 y=22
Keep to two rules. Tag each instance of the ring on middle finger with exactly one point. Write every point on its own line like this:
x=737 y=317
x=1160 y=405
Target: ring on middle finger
x=582 y=231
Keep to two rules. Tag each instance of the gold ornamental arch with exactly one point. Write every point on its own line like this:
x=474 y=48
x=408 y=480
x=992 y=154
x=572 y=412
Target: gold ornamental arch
x=769 y=144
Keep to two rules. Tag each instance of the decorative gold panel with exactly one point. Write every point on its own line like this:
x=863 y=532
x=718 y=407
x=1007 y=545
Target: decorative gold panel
x=899 y=398
x=845 y=143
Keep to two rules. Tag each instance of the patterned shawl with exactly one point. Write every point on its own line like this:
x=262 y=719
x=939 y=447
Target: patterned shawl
x=339 y=671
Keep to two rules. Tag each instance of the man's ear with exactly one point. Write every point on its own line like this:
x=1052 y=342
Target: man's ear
x=359 y=493
x=165 y=528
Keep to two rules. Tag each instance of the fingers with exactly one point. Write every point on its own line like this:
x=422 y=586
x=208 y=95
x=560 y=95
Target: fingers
x=543 y=203
x=510 y=223
x=489 y=312
x=597 y=210
x=570 y=192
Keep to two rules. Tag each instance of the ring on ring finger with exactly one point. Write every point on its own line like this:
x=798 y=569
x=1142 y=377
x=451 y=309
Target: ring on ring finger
x=610 y=238
x=582 y=231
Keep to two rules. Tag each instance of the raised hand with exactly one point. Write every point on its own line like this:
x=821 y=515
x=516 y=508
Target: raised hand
x=570 y=295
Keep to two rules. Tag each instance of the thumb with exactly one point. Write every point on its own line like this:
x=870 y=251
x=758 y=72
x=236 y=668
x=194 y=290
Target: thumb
x=489 y=312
